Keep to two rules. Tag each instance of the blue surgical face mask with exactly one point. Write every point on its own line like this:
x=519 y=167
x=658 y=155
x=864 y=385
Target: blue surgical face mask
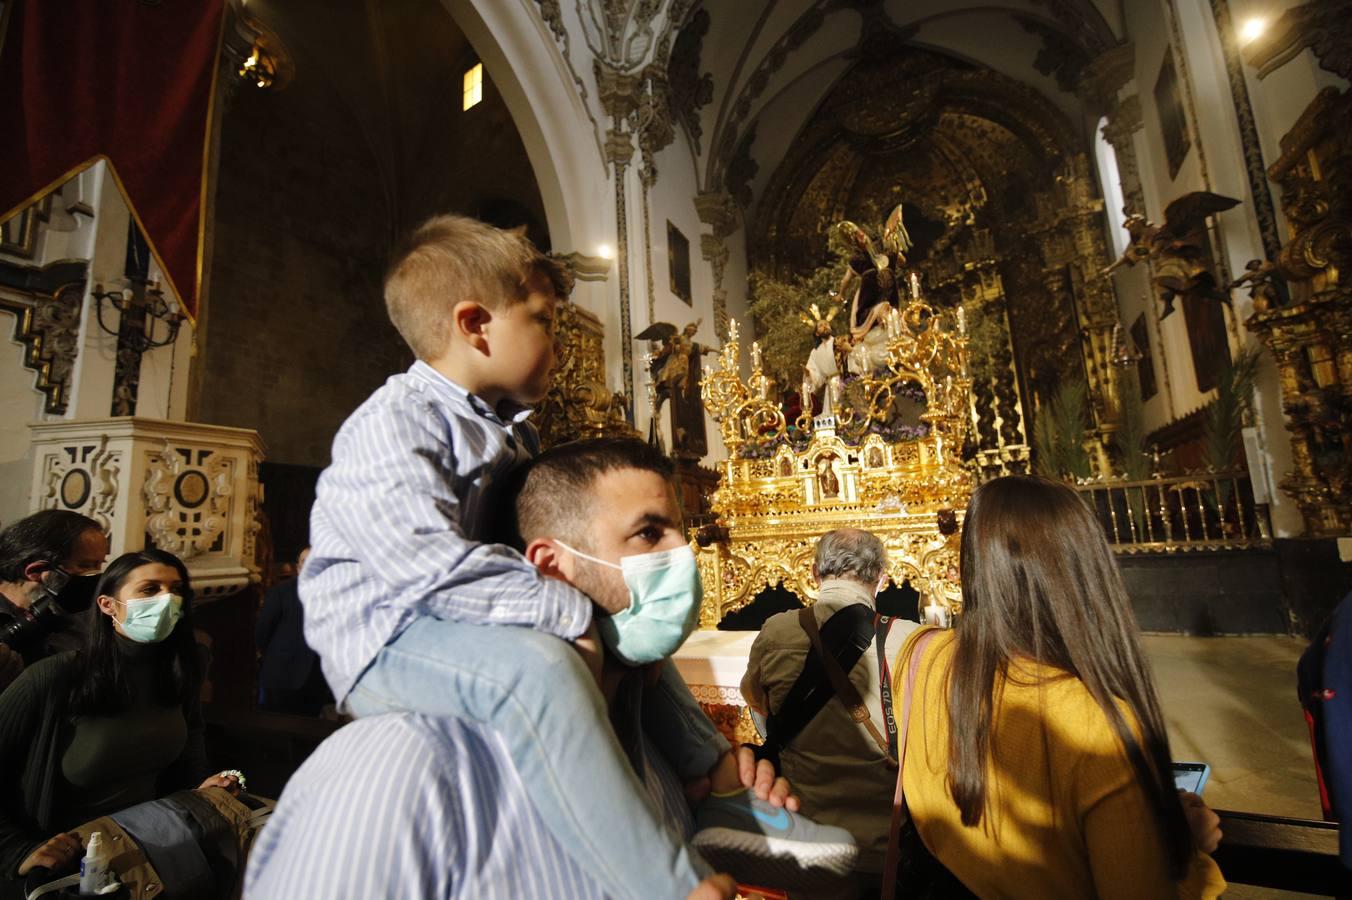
x=150 y=620
x=664 y=600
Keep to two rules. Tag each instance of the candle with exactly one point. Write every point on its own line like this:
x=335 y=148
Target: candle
x=936 y=615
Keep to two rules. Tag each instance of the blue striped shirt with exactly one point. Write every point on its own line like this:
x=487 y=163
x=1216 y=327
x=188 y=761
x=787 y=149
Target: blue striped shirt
x=399 y=522
x=408 y=806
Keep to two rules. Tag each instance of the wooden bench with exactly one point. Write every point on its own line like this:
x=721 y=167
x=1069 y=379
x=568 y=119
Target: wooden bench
x=1276 y=852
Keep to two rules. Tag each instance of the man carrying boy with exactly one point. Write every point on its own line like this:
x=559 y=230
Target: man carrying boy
x=400 y=581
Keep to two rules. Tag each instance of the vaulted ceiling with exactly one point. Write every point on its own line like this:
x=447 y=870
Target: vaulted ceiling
x=815 y=108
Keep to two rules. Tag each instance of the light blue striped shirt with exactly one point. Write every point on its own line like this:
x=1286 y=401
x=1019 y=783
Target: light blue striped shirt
x=399 y=522
x=408 y=806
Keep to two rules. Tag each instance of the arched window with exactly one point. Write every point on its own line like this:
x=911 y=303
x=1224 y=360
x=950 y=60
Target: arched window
x=1112 y=188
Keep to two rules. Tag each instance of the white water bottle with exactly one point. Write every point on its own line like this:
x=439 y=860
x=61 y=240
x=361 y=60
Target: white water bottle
x=94 y=865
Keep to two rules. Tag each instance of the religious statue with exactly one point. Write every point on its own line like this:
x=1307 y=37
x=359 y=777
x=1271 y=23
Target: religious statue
x=1178 y=250
x=669 y=367
x=821 y=370
x=826 y=476
x=1258 y=275
x=878 y=272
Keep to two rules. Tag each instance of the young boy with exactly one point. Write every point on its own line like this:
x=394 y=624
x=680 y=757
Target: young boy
x=400 y=581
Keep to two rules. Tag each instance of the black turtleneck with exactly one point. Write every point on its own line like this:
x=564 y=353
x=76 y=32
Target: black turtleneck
x=114 y=761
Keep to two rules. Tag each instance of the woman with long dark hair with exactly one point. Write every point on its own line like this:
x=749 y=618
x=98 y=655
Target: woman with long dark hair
x=1037 y=761
x=94 y=731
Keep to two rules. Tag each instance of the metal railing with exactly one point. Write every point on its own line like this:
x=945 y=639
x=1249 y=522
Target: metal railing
x=1197 y=511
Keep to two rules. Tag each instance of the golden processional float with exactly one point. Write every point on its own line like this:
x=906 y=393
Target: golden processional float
x=884 y=455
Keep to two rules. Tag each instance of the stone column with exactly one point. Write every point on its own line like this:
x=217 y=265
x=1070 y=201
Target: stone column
x=718 y=210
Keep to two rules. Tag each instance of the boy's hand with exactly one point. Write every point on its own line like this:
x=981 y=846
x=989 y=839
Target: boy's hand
x=589 y=645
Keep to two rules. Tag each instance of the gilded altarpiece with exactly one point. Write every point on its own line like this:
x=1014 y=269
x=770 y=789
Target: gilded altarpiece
x=779 y=492
x=579 y=405
x=1311 y=337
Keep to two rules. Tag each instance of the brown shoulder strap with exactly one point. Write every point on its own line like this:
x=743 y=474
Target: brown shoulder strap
x=840 y=682
x=893 y=859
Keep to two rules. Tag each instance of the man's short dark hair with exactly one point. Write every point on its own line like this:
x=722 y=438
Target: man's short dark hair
x=550 y=495
x=48 y=536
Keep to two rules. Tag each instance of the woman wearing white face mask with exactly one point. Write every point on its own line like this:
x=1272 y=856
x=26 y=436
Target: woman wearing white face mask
x=91 y=732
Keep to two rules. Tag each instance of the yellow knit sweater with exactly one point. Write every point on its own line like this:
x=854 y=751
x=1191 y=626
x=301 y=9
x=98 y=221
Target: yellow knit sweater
x=1065 y=816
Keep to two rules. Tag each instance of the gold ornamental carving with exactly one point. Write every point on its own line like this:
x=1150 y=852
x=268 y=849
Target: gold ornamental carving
x=785 y=484
x=1311 y=335
x=579 y=405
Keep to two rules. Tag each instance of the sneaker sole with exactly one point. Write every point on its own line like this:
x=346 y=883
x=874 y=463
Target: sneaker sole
x=775 y=862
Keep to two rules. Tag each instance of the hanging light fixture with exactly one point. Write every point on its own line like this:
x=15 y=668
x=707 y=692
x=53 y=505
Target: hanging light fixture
x=1124 y=353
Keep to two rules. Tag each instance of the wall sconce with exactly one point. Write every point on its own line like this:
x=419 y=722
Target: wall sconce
x=258 y=68
x=142 y=304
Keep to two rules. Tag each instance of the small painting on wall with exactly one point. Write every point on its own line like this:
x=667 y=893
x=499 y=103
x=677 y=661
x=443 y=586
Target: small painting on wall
x=678 y=263
x=1173 y=123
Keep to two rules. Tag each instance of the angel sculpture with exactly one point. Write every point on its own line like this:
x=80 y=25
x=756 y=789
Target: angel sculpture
x=821 y=370
x=1177 y=250
x=878 y=272
x=669 y=367
x=1258 y=275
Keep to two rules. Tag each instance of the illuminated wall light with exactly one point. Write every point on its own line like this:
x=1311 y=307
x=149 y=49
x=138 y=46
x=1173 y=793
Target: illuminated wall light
x=474 y=85
x=1252 y=30
x=605 y=251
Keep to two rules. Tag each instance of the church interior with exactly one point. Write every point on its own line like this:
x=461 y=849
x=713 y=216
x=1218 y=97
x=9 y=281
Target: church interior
x=842 y=261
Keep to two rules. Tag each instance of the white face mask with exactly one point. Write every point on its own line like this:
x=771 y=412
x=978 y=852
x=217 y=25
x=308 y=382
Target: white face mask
x=151 y=619
x=665 y=594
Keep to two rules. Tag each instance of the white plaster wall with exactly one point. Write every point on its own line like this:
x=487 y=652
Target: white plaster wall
x=673 y=199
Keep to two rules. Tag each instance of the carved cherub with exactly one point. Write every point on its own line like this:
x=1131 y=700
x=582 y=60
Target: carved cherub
x=1177 y=250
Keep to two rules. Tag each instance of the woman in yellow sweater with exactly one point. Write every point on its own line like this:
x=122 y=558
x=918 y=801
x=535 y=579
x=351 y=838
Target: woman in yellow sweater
x=1036 y=762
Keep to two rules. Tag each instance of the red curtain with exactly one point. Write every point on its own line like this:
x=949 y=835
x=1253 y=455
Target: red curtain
x=127 y=80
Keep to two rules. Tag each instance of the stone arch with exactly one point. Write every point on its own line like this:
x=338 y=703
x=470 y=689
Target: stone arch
x=548 y=112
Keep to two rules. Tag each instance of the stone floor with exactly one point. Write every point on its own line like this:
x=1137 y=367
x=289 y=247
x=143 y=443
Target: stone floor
x=1231 y=702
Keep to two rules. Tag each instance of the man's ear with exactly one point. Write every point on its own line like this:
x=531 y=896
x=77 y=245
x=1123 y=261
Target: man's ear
x=36 y=569
x=551 y=559
x=469 y=319
x=816 y=576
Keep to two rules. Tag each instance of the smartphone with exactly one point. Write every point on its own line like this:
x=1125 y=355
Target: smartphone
x=1191 y=776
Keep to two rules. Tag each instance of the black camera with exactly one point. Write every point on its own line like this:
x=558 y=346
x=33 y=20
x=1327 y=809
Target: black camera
x=62 y=594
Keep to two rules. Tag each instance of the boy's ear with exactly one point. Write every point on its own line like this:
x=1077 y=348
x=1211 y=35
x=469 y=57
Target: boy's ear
x=468 y=321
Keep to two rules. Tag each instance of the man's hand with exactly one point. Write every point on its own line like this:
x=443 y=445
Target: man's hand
x=715 y=887
x=589 y=645
x=58 y=854
x=1204 y=824
x=761 y=779
x=11 y=666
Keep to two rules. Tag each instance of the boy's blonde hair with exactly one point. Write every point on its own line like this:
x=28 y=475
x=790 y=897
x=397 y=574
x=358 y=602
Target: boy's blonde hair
x=452 y=258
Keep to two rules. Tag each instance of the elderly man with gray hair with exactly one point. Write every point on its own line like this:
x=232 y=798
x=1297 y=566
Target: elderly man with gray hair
x=813 y=674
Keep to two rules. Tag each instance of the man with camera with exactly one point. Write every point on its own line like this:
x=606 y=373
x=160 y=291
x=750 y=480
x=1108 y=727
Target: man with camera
x=49 y=564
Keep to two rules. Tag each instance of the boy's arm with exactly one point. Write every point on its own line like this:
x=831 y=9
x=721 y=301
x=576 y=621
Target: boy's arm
x=390 y=497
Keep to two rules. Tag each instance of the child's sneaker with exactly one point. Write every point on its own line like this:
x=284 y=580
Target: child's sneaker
x=763 y=844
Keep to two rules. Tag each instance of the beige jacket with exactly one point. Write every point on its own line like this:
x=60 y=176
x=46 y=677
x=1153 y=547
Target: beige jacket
x=833 y=764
